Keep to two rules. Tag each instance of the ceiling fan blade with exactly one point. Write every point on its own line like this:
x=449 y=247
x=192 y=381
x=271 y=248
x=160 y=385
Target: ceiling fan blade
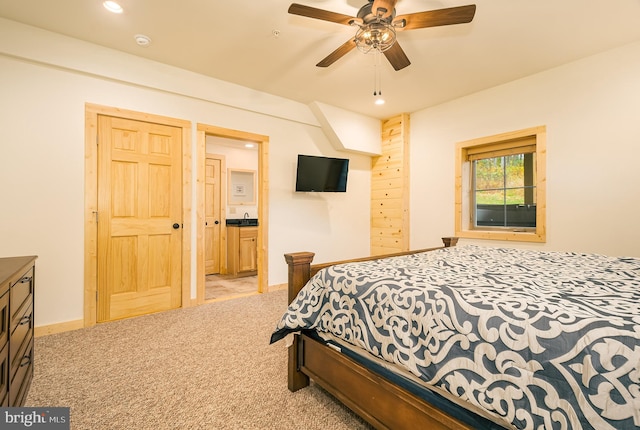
x=397 y=57
x=435 y=18
x=325 y=15
x=338 y=53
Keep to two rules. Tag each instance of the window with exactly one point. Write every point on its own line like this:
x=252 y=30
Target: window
x=500 y=186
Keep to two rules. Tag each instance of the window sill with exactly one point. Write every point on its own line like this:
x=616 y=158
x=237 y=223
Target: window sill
x=517 y=236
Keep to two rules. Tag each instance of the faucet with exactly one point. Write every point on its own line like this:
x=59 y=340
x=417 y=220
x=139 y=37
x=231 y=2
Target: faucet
x=246 y=215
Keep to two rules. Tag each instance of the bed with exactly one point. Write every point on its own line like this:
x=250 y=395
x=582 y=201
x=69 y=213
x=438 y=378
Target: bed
x=464 y=337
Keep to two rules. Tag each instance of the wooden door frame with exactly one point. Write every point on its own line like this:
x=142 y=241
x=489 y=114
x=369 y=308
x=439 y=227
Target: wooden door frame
x=204 y=130
x=92 y=111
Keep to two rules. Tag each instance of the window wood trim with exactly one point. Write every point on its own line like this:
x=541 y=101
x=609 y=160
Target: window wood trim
x=499 y=151
x=499 y=144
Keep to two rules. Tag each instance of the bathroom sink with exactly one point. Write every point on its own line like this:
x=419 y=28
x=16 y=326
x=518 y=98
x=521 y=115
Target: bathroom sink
x=242 y=222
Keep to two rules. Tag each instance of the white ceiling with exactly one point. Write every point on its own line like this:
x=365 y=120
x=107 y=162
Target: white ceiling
x=234 y=41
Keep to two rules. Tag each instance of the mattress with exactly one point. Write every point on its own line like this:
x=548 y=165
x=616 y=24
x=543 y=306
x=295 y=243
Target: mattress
x=533 y=339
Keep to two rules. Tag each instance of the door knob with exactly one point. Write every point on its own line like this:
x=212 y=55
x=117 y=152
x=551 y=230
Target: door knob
x=217 y=222
x=176 y=226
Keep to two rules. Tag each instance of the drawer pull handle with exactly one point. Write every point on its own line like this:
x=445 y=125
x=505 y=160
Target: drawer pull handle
x=25 y=279
x=25 y=320
x=26 y=360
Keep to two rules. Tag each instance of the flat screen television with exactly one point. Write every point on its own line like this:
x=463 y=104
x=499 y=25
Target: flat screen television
x=321 y=174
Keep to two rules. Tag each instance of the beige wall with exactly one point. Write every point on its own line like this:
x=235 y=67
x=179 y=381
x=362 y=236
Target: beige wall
x=590 y=108
x=46 y=80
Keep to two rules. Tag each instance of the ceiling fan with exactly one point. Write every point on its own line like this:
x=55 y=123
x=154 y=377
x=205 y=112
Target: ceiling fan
x=377 y=24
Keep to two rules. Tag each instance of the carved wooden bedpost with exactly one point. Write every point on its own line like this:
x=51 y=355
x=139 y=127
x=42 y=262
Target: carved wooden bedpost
x=449 y=241
x=299 y=273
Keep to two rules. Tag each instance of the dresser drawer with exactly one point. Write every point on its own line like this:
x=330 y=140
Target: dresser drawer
x=17 y=289
x=4 y=375
x=21 y=336
x=22 y=377
x=21 y=292
x=4 y=319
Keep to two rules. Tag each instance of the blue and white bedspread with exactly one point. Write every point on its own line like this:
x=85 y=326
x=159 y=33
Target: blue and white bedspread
x=542 y=340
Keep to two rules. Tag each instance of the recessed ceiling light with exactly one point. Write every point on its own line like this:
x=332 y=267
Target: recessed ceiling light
x=248 y=145
x=112 y=6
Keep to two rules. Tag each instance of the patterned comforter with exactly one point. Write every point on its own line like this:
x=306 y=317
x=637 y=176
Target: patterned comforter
x=541 y=340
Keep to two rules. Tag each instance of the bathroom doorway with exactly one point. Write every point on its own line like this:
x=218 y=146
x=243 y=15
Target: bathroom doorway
x=243 y=203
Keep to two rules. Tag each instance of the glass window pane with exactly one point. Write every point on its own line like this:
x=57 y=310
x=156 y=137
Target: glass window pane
x=489 y=173
x=514 y=167
x=520 y=216
x=493 y=197
x=515 y=196
x=490 y=215
x=505 y=191
x=490 y=208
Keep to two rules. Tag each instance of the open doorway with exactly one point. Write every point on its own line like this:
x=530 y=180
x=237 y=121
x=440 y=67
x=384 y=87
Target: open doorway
x=244 y=203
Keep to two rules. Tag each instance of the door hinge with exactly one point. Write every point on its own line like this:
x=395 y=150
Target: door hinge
x=96 y=214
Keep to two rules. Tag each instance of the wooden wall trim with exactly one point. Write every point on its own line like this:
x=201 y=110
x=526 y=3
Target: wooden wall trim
x=390 y=189
x=46 y=330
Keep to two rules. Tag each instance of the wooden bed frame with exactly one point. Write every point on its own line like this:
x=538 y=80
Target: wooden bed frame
x=374 y=398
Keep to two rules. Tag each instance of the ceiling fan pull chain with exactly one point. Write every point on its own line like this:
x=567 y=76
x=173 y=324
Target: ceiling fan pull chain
x=378 y=63
x=379 y=60
x=375 y=74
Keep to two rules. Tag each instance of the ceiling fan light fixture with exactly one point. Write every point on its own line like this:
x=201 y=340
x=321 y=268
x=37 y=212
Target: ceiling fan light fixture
x=375 y=36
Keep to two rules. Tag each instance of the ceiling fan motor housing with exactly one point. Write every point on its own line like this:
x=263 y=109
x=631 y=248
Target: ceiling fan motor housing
x=367 y=16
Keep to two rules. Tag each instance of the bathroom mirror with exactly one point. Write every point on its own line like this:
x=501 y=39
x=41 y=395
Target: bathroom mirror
x=242 y=187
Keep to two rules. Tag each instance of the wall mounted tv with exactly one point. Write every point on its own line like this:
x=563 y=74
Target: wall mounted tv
x=321 y=174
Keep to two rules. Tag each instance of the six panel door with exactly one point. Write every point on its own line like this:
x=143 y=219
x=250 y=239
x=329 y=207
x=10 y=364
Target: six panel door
x=139 y=218
x=212 y=205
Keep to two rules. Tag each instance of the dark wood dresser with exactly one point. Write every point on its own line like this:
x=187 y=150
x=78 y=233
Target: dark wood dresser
x=17 y=282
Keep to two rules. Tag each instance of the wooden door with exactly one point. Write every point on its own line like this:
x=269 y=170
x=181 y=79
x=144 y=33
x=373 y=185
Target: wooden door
x=212 y=209
x=139 y=218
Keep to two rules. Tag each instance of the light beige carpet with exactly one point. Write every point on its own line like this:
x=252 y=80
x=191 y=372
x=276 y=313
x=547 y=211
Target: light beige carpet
x=206 y=367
